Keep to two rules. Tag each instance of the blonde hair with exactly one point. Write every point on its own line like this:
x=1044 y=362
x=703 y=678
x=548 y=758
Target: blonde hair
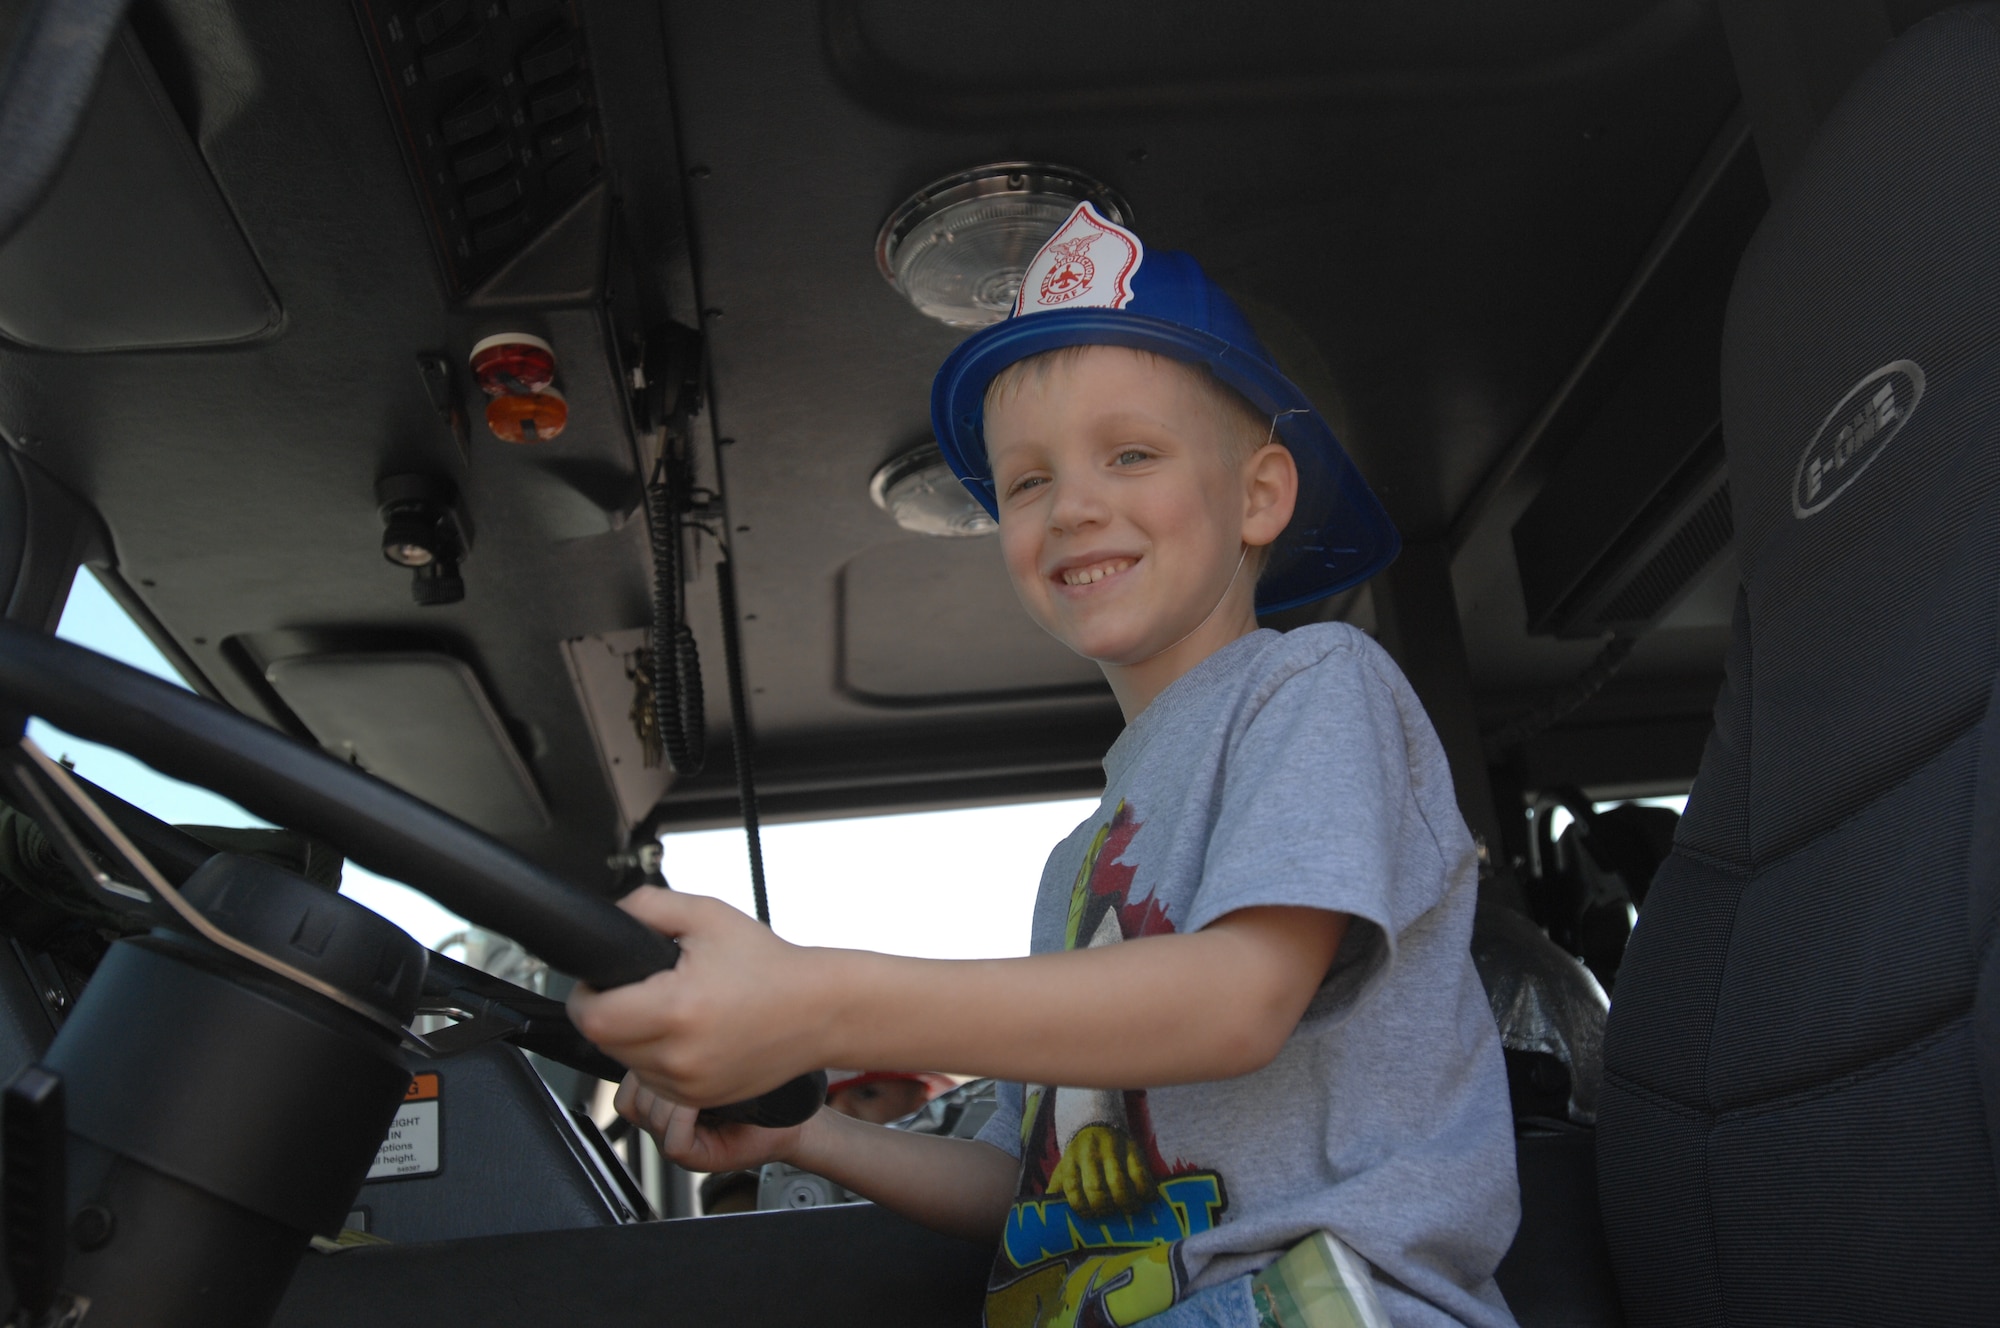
x=1245 y=429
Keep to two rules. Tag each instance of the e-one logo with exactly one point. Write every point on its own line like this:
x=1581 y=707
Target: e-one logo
x=1855 y=432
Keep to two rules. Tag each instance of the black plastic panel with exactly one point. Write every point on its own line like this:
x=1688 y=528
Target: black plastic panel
x=510 y=1159
x=909 y=56
x=816 y=1268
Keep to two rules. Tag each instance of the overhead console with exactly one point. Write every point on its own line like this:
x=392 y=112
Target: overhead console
x=497 y=117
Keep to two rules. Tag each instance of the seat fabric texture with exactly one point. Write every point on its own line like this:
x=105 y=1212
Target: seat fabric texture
x=1798 y=1117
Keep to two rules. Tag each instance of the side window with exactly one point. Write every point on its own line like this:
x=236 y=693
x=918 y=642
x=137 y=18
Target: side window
x=955 y=884
x=93 y=619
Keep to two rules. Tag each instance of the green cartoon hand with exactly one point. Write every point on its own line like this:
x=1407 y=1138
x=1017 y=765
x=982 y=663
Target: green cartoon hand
x=1102 y=1172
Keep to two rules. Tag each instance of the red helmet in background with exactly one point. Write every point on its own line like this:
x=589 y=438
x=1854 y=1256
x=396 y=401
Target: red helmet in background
x=933 y=1083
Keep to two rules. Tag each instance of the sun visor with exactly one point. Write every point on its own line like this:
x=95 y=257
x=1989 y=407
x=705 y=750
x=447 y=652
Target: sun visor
x=421 y=721
x=133 y=248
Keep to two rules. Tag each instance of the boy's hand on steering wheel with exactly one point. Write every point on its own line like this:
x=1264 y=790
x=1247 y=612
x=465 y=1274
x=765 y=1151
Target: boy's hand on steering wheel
x=741 y=1013
x=695 y=1144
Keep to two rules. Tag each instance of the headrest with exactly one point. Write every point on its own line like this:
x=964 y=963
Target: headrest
x=1861 y=413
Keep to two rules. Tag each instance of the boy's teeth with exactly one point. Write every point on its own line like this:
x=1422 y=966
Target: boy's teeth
x=1083 y=576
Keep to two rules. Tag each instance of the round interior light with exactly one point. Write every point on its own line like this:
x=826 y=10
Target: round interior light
x=513 y=362
x=956 y=248
x=409 y=534
x=919 y=490
x=535 y=418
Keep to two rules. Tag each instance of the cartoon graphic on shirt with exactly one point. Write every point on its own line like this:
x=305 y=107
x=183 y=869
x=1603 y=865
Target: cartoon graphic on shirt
x=1093 y=1239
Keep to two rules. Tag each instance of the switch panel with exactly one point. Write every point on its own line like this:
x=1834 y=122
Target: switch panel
x=497 y=116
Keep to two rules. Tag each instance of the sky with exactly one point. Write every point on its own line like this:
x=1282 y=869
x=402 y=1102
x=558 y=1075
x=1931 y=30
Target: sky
x=938 y=885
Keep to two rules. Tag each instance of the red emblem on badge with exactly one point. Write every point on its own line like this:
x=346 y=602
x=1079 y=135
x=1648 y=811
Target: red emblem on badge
x=1070 y=270
x=1087 y=264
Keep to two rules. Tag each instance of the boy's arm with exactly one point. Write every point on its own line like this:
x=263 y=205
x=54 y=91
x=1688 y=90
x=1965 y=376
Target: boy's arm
x=958 y=1186
x=744 y=1011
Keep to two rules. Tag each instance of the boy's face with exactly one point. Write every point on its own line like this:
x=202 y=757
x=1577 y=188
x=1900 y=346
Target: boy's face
x=1123 y=517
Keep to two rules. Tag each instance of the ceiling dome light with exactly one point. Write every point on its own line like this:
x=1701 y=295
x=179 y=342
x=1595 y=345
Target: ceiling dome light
x=919 y=490
x=956 y=248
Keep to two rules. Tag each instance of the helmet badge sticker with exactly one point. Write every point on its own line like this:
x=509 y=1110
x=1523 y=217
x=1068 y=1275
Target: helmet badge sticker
x=1087 y=264
x=1070 y=270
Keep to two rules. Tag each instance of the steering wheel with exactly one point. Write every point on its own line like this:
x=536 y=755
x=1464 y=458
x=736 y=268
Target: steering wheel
x=190 y=738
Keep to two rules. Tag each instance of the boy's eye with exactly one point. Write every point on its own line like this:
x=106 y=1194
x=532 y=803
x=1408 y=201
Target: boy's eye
x=1132 y=456
x=1025 y=483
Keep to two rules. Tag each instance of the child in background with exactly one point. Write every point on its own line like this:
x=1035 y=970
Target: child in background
x=881 y=1096
x=1250 y=1028
x=875 y=1096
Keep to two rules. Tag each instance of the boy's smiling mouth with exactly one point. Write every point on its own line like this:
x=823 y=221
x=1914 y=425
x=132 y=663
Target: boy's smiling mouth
x=1089 y=573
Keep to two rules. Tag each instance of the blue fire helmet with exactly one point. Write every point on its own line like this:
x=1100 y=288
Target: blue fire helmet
x=1094 y=284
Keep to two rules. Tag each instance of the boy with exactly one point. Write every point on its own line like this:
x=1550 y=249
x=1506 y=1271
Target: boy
x=1251 y=1013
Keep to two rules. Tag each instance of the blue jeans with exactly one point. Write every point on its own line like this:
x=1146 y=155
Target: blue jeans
x=1224 y=1305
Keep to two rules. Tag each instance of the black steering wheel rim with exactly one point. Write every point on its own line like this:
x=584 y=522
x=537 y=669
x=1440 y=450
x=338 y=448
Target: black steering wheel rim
x=378 y=826
x=375 y=824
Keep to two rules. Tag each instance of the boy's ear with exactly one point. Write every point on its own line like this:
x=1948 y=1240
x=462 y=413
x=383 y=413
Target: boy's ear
x=1270 y=492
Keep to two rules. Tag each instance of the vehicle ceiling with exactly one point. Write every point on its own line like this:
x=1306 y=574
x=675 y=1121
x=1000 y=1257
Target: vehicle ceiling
x=1432 y=211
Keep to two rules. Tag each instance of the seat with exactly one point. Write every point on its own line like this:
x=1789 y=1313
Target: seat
x=1797 y=1123
x=1585 y=884
x=1557 y=1274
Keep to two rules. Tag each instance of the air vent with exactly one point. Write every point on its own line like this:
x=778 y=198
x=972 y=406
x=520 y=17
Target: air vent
x=1685 y=556
x=497 y=116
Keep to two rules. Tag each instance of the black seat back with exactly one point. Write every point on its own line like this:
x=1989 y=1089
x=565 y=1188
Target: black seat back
x=1797 y=1123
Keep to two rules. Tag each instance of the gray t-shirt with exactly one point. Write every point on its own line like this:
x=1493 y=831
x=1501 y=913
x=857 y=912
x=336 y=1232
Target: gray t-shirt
x=1294 y=769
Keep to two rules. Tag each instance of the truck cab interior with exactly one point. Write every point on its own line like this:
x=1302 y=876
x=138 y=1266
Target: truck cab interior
x=510 y=418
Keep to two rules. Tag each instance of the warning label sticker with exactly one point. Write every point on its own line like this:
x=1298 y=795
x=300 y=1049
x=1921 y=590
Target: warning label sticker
x=411 y=1146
